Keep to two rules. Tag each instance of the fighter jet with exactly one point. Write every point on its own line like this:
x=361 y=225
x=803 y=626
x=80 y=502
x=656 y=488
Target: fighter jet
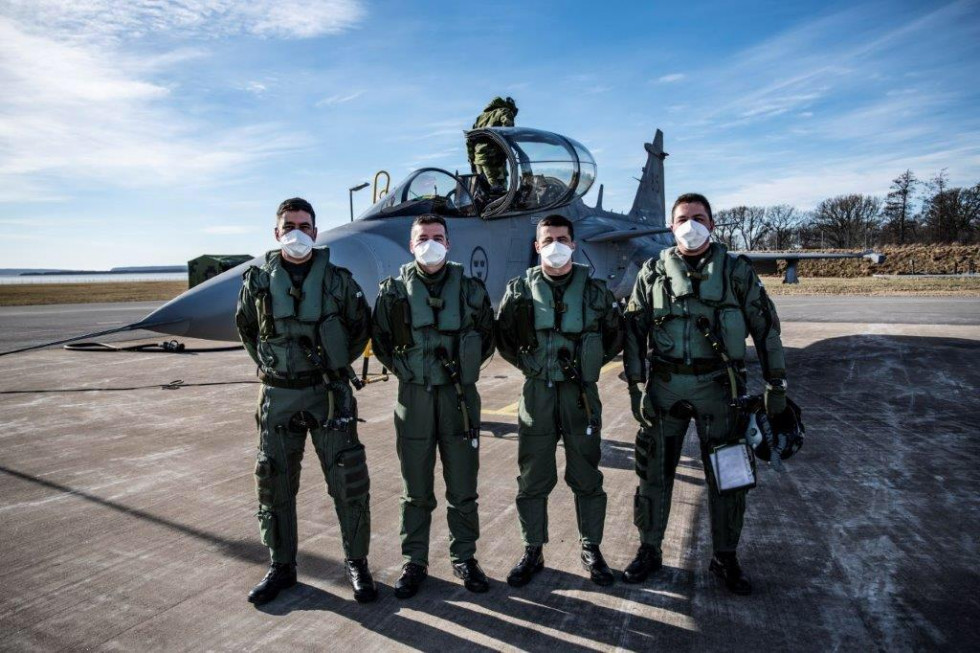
x=491 y=234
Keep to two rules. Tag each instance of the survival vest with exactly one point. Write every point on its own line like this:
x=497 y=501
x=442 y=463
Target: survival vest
x=676 y=307
x=440 y=329
x=567 y=328
x=290 y=317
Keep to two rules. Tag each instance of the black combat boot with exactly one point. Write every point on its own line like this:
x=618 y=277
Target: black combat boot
x=725 y=566
x=595 y=564
x=530 y=563
x=281 y=575
x=473 y=577
x=360 y=579
x=412 y=576
x=646 y=562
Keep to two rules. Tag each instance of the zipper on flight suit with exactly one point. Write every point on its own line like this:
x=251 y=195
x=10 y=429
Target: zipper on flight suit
x=687 y=333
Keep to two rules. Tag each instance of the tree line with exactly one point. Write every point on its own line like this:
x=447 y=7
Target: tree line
x=913 y=212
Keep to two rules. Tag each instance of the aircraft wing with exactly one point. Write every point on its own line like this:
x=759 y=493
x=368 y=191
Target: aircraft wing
x=793 y=258
x=626 y=234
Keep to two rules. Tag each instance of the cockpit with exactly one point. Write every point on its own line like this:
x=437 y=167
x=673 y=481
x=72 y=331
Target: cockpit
x=427 y=190
x=544 y=171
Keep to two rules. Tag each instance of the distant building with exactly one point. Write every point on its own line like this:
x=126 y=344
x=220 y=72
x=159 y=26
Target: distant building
x=206 y=266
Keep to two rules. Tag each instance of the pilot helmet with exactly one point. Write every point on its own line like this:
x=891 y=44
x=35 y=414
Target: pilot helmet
x=783 y=433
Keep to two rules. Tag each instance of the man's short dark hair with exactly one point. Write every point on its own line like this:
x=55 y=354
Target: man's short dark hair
x=555 y=220
x=296 y=204
x=430 y=218
x=691 y=198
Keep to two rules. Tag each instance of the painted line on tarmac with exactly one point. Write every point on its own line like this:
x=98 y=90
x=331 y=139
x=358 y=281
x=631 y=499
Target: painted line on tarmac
x=510 y=410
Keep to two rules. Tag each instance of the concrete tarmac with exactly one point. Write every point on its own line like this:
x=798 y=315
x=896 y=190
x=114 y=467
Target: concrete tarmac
x=127 y=511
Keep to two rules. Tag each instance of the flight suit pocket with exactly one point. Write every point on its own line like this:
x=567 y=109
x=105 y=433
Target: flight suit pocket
x=267 y=528
x=641 y=453
x=350 y=474
x=333 y=342
x=470 y=354
x=663 y=341
x=590 y=356
x=409 y=365
x=733 y=332
x=264 y=483
x=534 y=416
x=642 y=511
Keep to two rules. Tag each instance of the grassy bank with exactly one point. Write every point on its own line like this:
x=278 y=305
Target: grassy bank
x=962 y=286
x=899 y=259
x=85 y=293
x=89 y=293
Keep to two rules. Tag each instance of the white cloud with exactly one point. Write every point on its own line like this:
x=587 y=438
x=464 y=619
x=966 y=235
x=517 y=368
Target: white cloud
x=339 y=98
x=82 y=112
x=806 y=183
x=256 y=88
x=673 y=77
x=82 y=103
x=832 y=57
x=191 y=18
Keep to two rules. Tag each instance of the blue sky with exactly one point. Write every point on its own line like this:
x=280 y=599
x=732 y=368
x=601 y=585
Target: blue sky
x=151 y=131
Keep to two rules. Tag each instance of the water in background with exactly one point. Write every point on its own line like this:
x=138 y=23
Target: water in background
x=94 y=278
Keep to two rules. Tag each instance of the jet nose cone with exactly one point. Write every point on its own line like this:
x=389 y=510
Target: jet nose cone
x=205 y=311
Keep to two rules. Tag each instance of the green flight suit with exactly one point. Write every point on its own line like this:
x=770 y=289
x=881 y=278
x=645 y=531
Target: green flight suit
x=559 y=333
x=421 y=323
x=277 y=321
x=486 y=157
x=665 y=348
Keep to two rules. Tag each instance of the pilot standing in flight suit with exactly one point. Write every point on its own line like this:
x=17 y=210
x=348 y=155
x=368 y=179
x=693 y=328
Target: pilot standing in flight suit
x=303 y=321
x=676 y=375
x=559 y=327
x=433 y=327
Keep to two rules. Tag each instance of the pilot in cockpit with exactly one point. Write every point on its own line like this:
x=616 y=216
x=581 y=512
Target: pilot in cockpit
x=486 y=158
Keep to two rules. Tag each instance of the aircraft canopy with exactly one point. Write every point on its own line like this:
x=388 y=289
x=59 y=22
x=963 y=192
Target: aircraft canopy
x=546 y=170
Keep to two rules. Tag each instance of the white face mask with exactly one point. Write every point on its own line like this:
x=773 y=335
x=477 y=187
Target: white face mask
x=430 y=252
x=691 y=235
x=296 y=244
x=556 y=254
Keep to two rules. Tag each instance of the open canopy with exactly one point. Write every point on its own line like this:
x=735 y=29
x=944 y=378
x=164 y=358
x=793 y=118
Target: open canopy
x=545 y=171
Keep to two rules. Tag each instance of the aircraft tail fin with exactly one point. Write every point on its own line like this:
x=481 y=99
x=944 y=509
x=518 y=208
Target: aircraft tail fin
x=648 y=205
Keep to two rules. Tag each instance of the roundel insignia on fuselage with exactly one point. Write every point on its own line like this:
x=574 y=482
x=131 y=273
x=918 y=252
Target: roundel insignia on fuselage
x=479 y=264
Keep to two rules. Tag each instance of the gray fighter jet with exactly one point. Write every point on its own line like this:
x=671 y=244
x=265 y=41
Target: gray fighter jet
x=490 y=234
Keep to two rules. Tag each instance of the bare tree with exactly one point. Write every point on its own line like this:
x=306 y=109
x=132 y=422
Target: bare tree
x=898 y=210
x=724 y=231
x=848 y=220
x=743 y=226
x=809 y=234
x=783 y=222
x=753 y=226
x=951 y=214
